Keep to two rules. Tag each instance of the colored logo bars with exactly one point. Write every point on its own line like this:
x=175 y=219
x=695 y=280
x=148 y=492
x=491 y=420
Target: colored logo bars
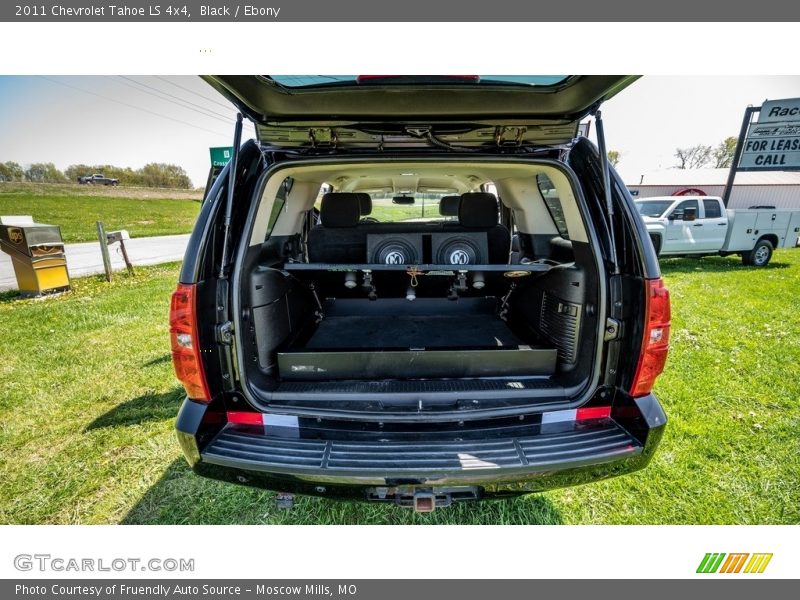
x=734 y=563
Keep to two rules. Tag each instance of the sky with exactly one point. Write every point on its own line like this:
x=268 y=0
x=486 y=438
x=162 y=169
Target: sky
x=134 y=120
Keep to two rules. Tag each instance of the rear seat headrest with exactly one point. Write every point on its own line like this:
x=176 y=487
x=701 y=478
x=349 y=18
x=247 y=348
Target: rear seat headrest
x=448 y=206
x=365 y=204
x=340 y=209
x=478 y=209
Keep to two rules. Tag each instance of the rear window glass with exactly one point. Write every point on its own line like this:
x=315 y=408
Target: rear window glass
x=391 y=208
x=386 y=209
x=712 y=209
x=297 y=81
x=280 y=202
x=553 y=203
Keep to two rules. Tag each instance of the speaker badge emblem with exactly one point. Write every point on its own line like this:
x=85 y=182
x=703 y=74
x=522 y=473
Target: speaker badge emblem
x=395 y=258
x=459 y=257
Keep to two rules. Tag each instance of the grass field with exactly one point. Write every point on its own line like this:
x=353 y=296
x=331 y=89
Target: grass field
x=385 y=211
x=88 y=405
x=142 y=211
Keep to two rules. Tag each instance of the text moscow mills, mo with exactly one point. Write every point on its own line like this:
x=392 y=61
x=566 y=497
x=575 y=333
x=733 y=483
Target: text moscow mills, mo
x=184 y=590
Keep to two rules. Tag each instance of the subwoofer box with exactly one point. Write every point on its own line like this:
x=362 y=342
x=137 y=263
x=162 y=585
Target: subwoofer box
x=394 y=248
x=460 y=248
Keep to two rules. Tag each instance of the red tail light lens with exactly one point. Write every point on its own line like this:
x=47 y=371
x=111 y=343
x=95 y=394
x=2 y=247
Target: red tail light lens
x=655 y=342
x=185 y=343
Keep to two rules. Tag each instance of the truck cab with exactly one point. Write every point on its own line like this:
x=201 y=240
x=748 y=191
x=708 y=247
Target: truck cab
x=685 y=225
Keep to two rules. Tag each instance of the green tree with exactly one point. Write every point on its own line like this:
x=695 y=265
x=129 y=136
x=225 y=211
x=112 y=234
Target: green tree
x=44 y=173
x=72 y=172
x=723 y=153
x=164 y=175
x=693 y=157
x=11 y=171
x=614 y=157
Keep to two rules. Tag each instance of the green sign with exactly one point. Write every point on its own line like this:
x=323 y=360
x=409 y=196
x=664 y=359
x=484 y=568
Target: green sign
x=221 y=156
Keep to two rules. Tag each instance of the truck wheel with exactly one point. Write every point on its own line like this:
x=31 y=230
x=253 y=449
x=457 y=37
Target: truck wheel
x=656 y=239
x=113 y=184
x=759 y=256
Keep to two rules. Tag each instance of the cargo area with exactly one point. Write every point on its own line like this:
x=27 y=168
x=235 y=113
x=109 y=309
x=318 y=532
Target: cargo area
x=530 y=335
x=395 y=338
x=345 y=305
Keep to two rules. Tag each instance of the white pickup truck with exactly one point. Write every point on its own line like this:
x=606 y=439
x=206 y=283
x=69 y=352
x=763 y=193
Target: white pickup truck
x=701 y=225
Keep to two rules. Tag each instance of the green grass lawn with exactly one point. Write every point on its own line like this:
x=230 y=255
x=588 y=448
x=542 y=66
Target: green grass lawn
x=88 y=406
x=75 y=208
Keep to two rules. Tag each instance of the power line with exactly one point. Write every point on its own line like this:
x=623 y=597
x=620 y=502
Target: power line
x=139 y=108
x=159 y=93
x=223 y=105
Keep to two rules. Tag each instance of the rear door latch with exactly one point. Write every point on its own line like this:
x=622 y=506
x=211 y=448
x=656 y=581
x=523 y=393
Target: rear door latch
x=612 y=331
x=224 y=333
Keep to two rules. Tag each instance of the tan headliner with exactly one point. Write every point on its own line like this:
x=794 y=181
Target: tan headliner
x=515 y=182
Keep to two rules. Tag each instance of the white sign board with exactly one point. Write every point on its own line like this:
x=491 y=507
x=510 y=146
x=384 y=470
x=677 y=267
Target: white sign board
x=777 y=111
x=773 y=143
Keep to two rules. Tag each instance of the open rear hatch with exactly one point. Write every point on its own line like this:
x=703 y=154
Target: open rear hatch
x=307 y=340
x=416 y=111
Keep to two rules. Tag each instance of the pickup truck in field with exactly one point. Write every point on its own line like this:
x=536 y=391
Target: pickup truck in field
x=97 y=179
x=701 y=225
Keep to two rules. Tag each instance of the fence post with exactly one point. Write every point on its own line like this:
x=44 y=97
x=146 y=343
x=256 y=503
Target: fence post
x=101 y=237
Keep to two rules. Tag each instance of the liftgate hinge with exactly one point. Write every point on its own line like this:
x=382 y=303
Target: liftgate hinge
x=224 y=333
x=509 y=136
x=612 y=331
x=322 y=137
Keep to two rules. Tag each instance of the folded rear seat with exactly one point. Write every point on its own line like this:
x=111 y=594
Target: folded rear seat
x=478 y=211
x=339 y=238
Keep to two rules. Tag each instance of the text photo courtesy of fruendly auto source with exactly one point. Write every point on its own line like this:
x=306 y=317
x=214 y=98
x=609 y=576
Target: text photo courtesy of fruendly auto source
x=484 y=299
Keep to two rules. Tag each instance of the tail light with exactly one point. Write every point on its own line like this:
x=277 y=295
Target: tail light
x=655 y=341
x=185 y=343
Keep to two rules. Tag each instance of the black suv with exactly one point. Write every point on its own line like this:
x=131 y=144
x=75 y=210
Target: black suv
x=419 y=290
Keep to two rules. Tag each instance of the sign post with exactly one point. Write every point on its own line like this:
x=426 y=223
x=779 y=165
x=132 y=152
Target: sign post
x=772 y=143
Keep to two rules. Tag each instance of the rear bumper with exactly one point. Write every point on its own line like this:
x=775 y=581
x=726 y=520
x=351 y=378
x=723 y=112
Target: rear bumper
x=354 y=463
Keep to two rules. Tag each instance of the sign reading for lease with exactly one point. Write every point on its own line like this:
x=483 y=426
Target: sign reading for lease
x=773 y=143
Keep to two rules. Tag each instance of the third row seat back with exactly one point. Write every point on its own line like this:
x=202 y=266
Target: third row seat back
x=478 y=212
x=448 y=206
x=338 y=238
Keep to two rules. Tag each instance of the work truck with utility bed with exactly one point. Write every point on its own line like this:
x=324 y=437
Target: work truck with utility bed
x=701 y=225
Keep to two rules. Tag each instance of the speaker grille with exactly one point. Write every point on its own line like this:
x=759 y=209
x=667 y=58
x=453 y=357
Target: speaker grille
x=460 y=248
x=560 y=323
x=394 y=249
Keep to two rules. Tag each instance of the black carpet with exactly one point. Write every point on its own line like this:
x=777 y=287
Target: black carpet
x=412 y=331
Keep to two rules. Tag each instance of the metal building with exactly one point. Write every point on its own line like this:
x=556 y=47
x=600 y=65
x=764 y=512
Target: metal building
x=766 y=188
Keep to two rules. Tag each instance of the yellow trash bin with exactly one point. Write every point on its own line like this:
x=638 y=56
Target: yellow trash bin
x=37 y=253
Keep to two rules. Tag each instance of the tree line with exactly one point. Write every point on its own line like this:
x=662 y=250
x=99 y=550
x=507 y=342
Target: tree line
x=700 y=156
x=150 y=175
